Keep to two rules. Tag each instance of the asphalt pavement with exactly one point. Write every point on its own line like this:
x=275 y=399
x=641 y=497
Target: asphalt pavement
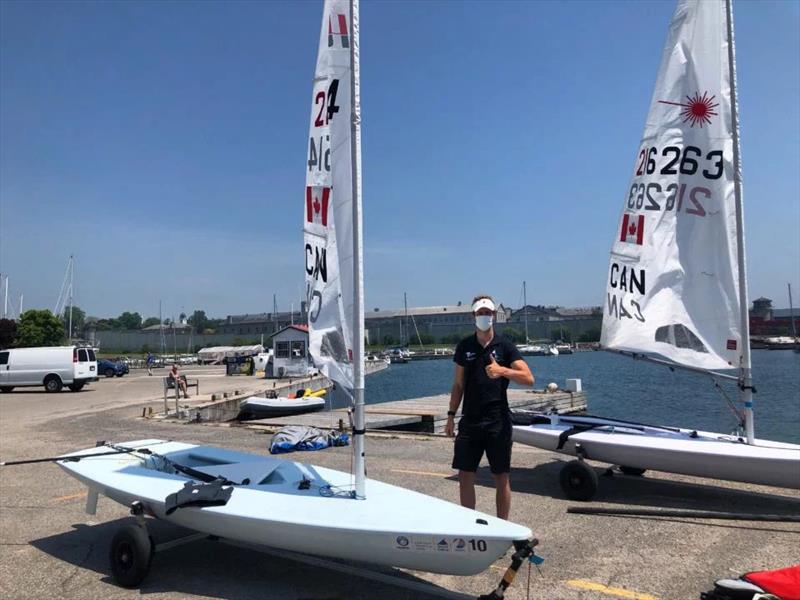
x=50 y=548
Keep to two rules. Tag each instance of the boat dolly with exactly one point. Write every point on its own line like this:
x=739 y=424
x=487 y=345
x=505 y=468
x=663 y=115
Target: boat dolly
x=132 y=550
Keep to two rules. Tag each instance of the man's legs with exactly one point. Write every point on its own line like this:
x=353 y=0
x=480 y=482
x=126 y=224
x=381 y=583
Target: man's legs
x=466 y=488
x=502 y=483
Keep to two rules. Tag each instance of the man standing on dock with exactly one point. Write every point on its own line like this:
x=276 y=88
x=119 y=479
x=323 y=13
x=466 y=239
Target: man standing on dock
x=485 y=362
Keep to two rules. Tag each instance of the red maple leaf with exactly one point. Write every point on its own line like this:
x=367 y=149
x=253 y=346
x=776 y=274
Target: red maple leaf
x=632 y=228
x=317 y=205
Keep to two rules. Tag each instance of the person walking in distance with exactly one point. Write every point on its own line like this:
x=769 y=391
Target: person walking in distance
x=485 y=364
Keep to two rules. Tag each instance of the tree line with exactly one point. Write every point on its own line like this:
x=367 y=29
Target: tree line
x=43 y=328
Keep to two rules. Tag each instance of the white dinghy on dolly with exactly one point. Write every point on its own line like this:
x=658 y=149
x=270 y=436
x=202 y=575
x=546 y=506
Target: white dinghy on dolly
x=677 y=291
x=289 y=505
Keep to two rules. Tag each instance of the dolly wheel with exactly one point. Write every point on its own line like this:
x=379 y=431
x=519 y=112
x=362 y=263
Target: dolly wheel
x=578 y=480
x=635 y=471
x=130 y=555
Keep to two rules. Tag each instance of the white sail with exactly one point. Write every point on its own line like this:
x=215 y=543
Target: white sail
x=328 y=201
x=673 y=279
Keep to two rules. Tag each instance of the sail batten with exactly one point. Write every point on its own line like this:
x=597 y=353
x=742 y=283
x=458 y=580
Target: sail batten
x=674 y=282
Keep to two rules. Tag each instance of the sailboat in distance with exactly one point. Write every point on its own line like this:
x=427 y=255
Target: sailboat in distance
x=677 y=291
x=291 y=505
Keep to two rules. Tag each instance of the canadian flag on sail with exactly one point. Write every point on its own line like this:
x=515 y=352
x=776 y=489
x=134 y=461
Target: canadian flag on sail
x=317 y=199
x=632 y=230
x=340 y=32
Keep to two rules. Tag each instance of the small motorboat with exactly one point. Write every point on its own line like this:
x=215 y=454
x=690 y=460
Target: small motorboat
x=259 y=407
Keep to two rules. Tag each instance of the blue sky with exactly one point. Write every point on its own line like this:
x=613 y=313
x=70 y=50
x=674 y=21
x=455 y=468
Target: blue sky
x=164 y=144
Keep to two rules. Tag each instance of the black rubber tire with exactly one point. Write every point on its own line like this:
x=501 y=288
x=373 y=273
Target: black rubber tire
x=76 y=387
x=130 y=554
x=6 y=388
x=110 y=372
x=635 y=471
x=578 y=480
x=52 y=384
x=120 y=374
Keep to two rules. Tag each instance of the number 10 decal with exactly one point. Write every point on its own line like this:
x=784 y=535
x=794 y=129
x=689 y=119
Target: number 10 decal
x=479 y=545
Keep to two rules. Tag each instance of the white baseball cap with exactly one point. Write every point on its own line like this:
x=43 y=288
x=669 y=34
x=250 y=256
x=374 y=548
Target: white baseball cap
x=483 y=303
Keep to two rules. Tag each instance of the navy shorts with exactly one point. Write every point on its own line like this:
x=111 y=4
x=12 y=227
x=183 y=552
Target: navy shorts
x=476 y=436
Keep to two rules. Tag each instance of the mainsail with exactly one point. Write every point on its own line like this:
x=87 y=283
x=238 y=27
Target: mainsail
x=332 y=216
x=328 y=201
x=673 y=288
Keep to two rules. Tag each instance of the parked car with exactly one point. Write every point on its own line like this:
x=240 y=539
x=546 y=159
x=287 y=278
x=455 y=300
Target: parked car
x=52 y=367
x=110 y=368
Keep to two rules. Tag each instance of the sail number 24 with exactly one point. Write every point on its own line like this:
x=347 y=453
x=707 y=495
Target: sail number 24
x=319 y=146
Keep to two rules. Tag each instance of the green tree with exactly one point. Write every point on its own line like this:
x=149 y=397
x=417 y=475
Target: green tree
x=150 y=321
x=128 y=320
x=78 y=319
x=39 y=328
x=8 y=331
x=454 y=338
x=426 y=339
x=590 y=335
x=516 y=336
x=388 y=340
x=562 y=334
x=199 y=321
x=106 y=324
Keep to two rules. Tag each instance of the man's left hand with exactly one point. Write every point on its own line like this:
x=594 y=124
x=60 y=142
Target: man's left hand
x=493 y=370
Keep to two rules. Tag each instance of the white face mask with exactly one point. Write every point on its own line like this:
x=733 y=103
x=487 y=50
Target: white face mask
x=483 y=322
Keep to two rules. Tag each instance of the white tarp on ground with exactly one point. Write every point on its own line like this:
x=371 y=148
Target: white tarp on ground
x=672 y=288
x=215 y=354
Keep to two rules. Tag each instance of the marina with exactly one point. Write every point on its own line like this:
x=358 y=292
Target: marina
x=338 y=449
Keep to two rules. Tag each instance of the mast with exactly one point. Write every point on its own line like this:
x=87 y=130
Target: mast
x=405 y=305
x=358 y=264
x=71 y=292
x=5 y=302
x=791 y=311
x=746 y=379
x=525 y=301
x=162 y=341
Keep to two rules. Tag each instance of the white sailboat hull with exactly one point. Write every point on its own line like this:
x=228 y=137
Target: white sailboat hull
x=682 y=451
x=392 y=526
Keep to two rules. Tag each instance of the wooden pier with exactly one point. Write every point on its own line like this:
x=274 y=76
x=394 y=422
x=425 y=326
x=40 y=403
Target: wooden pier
x=427 y=414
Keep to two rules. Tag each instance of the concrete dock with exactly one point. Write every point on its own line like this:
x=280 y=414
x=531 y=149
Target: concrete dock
x=49 y=548
x=427 y=414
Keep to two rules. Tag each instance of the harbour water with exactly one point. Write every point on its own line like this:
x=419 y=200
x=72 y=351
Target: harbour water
x=623 y=388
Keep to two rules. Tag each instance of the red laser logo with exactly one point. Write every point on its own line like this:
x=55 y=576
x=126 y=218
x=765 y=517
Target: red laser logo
x=698 y=109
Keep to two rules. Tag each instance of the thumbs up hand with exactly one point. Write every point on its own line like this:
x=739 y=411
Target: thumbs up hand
x=493 y=370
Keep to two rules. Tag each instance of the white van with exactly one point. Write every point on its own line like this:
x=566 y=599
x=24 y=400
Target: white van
x=53 y=367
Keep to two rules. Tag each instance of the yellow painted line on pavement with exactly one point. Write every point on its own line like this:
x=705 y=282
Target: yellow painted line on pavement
x=70 y=497
x=582 y=584
x=421 y=473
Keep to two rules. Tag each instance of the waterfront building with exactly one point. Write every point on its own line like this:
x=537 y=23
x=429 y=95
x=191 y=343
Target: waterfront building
x=290 y=352
x=258 y=323
x=429 y=323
